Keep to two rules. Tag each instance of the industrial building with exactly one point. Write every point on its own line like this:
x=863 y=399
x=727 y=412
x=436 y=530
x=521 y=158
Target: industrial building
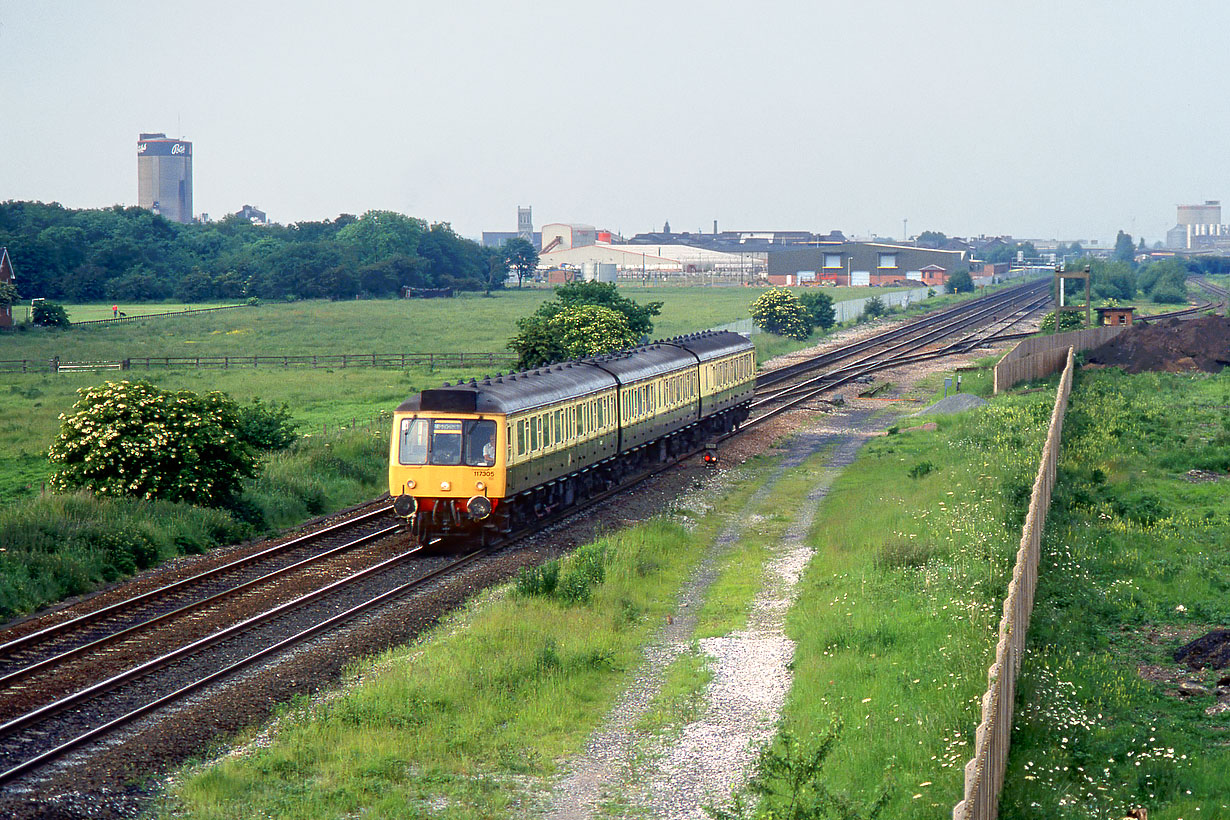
x=164 y=176
x=1199 y=228
x=860 y=263
x=525 y=230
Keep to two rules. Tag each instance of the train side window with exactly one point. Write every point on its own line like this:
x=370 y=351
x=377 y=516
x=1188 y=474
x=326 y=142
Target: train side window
x=559 y=426
x=521 y=437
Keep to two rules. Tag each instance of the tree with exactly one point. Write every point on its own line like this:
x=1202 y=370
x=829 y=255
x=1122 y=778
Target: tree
x=605 y=294
x=380 y=234
x=589 y=330
x=931 y=239
x=8 y=294
x=819 y=307
x=778 y=311
x=1125 y=250
x=133 y=439
x=574 y=332
x=960 y=282
x=497 y=270
x=537 y=340
x=520 y=257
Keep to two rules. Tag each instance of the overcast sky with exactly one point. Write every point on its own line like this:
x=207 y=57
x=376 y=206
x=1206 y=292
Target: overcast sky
x=1039 y=119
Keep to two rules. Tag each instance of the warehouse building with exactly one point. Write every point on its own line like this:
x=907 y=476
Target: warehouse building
x=860 y=263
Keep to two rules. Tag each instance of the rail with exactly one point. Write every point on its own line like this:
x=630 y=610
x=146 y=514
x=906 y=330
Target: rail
x=431 y=361
x=984 y=774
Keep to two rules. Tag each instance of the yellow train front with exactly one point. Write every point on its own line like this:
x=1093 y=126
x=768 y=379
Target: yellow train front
x=485 y=457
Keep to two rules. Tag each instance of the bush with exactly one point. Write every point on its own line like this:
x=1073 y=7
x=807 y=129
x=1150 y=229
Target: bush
x=132 y=439
x=571 y=580
x=266 y=426
x=819 y=307
x=1069 y=320
x=779 y=311
x=49 y=314
x=960 y=282
x=874 y=308
x=1168 y=293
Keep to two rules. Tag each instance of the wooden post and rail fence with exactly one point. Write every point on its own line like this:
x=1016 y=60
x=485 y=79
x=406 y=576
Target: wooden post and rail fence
x=984 y=774
x=431 y=361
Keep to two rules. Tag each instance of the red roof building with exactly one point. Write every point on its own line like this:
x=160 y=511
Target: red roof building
x=934 y=275
x=9 y=276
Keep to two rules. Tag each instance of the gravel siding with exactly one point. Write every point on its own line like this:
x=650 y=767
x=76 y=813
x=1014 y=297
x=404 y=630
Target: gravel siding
x=710 y=757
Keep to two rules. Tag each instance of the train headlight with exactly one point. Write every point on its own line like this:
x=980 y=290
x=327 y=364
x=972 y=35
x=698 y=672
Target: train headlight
x=446 y=486
x=410 y=485
x=478 y=485
x=405 y=505
x=479 y=507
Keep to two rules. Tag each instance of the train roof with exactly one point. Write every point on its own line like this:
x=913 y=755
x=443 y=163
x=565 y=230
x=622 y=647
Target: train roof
x=712 y=344
x=512 y=393
x=643 y=362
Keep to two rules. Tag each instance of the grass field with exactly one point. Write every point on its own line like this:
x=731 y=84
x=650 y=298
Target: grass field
x=1135 y=563
x=30 y=403
x=468 y=323
x=896 y=613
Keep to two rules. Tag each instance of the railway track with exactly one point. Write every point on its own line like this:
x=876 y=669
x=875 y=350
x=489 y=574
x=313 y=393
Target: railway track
x=52 y=720
x=906 y=346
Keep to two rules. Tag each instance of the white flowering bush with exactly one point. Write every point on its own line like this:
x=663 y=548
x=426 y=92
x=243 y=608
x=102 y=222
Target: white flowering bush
x=133 y=439
x=779 y=311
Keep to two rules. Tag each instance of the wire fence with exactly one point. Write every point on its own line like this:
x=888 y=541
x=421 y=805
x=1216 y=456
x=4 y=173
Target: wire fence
x=431 y=361
x=984 y=774
x=121 y=318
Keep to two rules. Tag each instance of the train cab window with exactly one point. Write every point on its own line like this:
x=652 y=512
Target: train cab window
x=480 y=443
x=412 y=444
x=446 y=441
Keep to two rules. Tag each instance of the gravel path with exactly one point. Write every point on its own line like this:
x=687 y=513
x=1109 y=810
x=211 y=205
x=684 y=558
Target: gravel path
x=712 y=755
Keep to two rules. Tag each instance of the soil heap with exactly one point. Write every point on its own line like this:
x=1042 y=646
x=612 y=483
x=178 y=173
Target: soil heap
x=1171 y=345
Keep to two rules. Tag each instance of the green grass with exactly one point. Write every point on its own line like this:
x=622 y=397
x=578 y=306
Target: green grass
x=56 y=546
x=468 y=323
x=741 y=570
x=1135 y=562
x=897 y=611
x=452 y=726
x=681 y=698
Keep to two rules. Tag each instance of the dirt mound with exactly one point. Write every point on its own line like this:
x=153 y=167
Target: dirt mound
x=1211 y=650
x=1171 y=345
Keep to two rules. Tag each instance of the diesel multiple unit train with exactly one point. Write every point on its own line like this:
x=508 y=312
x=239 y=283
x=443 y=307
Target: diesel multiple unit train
x=484 y=457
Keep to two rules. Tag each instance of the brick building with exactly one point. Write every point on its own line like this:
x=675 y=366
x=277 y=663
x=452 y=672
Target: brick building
x=7 y=276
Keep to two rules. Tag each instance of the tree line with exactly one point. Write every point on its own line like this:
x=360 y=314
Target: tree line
x=129 y=254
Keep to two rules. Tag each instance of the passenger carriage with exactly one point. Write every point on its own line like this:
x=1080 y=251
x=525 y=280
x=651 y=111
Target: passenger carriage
x=492 y=455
